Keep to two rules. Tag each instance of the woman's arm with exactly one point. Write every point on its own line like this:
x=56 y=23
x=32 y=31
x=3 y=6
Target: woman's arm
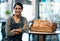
x=24 y=28
x=7 y=28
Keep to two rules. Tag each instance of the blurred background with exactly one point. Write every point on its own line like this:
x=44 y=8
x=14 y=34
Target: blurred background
x=33 y=9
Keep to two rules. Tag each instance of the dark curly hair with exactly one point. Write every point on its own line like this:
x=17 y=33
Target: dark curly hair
x=18 y=3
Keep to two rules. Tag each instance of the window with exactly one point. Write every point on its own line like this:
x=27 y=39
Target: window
x=51 y=0
x=43 y=0
x=2 y=1
x=4 y=5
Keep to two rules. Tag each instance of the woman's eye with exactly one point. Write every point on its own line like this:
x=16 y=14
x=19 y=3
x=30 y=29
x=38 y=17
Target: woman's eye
x=15 y=8
x=18 y=8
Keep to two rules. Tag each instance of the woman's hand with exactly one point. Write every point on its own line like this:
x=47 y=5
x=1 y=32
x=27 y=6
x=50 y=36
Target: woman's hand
x=12 y=31
x=15 y=31
x=18 y=30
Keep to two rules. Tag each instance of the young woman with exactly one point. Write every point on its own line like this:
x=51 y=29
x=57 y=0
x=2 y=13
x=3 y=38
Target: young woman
x=16 y=24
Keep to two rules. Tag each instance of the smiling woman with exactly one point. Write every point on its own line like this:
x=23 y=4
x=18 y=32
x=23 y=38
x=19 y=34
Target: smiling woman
x=16 y=24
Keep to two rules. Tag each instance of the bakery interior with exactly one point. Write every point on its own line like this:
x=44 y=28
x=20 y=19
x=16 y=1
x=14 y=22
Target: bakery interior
x=39 y=10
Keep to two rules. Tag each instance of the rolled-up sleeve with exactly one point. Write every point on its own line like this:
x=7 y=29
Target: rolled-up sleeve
x=25 y=27
x=7 y=28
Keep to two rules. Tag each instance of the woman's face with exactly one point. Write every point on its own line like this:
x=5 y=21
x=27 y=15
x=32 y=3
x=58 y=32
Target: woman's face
x=17 y=10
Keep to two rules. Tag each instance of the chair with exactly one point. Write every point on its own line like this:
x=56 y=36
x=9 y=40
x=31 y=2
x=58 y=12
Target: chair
x=3 y=30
